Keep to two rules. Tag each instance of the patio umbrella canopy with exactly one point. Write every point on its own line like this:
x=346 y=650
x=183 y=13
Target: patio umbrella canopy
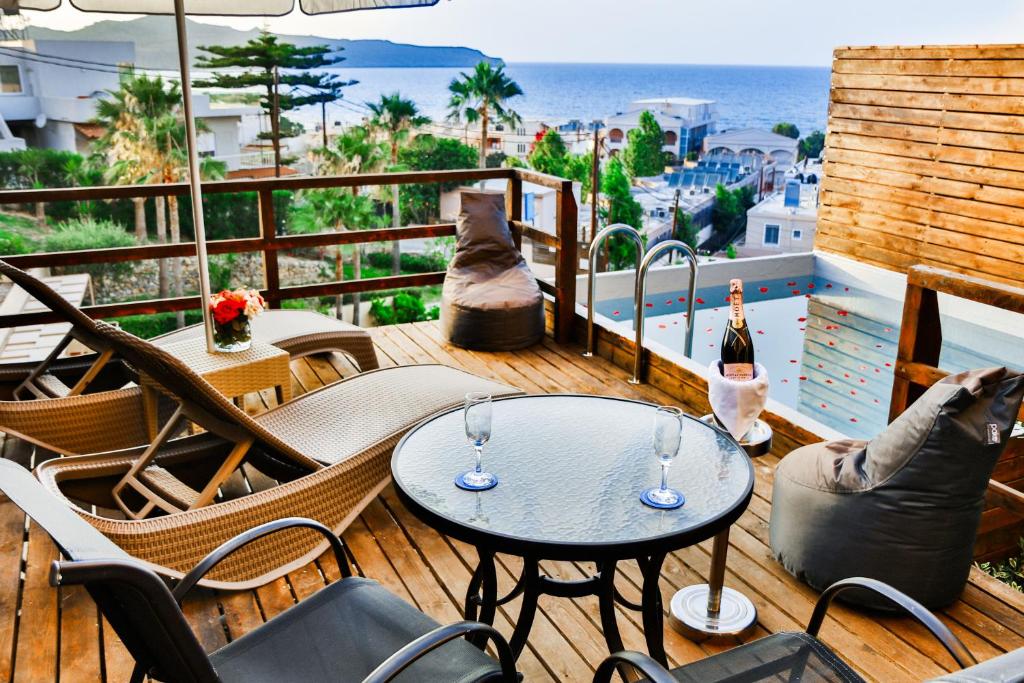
x=180 y=8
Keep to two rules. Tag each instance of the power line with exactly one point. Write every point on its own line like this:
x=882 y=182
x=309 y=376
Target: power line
x=121 y=67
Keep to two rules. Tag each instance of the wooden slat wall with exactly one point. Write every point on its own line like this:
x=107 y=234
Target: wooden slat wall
x=925 y=159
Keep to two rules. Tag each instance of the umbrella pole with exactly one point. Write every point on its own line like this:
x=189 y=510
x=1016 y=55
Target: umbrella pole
x=193 y=172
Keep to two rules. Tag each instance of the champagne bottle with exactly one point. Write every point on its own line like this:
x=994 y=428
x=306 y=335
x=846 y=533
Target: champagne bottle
x=737 y=346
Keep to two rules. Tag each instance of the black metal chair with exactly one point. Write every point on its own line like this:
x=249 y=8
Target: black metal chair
x=790 y=656
x=351 y=630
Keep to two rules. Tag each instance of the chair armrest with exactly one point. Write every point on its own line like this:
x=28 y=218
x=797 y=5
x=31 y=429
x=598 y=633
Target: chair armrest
x=219 y=554
x=430 y=641
x=651 y=669
x=912 y=607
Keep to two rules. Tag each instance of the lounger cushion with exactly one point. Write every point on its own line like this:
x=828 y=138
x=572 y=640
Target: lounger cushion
x=490 y=300
x=904 y=508
x=342 y=633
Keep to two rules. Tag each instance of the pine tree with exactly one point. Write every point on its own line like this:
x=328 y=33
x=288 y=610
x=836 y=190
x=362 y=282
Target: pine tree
x=270 y=64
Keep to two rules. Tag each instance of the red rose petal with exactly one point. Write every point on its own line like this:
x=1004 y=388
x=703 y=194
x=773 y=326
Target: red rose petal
x=807 y=295
x=820 y=365
x=846 y=375
x=682 y=299
x=796 y=292
x=853 y=392
x=888 y=329
x=616 y=312
x=803 y=378
x=810 y=285
x=760 y=331
x=662 y=326
x=831 y=343
x=842 y=313
x=792 y=361
x=791 y=284
x=649 y=305
x=888 y=365
x=846 y=289
x=802 y=329
x=863 y=381
x=785 y=381
x=877 y=401
x=801 y=320
x=853 y=419
x=699 y=300
x=668 y=302
x=877 y=370
x=828 y=381
x=764 y=290
x=824 y=405
x=828 y=286
x=709 y=330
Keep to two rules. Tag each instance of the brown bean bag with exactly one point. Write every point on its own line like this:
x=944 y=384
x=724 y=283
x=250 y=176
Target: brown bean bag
x=490 y=300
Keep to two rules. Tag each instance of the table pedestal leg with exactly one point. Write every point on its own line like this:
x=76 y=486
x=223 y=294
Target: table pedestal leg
x=482 y=594
x=606 y=595
x=530 y=585
x=711 y=610
x=653 y=616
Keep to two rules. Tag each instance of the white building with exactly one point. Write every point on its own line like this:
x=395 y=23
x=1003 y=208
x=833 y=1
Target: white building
x=517 y=141
x=684 y=120
x=742 y=141
x=49 y=90
x=783 y=222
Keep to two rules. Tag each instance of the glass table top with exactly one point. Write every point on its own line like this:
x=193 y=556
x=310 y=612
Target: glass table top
x=570 y=471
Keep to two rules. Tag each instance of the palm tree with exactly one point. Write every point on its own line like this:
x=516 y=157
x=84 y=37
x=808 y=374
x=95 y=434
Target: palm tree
x=343 y=211
x=481 y=97
x=354 y=151
x=394 y=118
x=169 y=164
x=126 y=145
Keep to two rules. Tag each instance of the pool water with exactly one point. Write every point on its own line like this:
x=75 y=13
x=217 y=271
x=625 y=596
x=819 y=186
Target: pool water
x=828 y=347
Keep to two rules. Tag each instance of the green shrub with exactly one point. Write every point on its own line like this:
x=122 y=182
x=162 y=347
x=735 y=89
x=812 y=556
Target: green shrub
x=13 y=243
x=150 y=325
x=411 y=263
x=405 y=307
x=87 y=233
x=1010 y=571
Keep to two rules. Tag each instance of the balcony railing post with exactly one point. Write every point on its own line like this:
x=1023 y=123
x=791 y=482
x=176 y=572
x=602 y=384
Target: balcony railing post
x=514 y=207
x=268 y=234
x=566 y=264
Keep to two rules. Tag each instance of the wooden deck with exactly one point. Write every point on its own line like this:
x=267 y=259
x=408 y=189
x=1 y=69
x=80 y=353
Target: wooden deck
x=50 y=635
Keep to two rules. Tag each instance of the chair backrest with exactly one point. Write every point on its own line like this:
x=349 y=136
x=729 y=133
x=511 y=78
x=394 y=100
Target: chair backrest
x=136 y=602
x=45 y=294
x=205 y=406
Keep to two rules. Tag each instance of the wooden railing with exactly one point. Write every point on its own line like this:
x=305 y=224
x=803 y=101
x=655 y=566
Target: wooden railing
x=917 y=368
x=269 y=244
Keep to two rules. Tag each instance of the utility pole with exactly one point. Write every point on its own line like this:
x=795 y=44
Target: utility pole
x=323 y=121
x=595 y=165
x=275 y=124
x=675 y=218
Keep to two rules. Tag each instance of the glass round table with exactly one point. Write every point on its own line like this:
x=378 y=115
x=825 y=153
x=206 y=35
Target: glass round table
x=571 y=469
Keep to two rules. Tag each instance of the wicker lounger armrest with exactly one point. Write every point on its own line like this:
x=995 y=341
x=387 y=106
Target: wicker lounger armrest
x=243 y=539
x=430 y=641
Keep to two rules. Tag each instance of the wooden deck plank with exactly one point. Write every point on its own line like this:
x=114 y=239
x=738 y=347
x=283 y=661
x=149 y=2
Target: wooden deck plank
x=431 y=571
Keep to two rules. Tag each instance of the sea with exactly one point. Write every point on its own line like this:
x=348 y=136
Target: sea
x=747 y=96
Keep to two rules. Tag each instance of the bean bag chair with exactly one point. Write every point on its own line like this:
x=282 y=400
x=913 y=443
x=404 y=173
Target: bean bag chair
x=490 y=300
x=905 y=507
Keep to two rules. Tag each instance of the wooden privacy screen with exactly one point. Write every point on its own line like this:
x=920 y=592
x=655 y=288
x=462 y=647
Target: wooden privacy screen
x=917 y=369
x=925 y=159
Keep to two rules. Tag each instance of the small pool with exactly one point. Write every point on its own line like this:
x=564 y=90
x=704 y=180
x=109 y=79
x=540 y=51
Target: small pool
x=828 y=342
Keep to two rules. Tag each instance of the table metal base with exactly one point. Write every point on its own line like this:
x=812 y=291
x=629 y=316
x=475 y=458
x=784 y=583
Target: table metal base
x=482 y=600
x=736 y=616
x=711 y=610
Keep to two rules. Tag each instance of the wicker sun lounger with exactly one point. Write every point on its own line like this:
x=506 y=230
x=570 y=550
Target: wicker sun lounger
x=298 y=332
x=330 y=449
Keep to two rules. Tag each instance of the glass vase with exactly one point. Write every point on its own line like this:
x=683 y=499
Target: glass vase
x=233 y=336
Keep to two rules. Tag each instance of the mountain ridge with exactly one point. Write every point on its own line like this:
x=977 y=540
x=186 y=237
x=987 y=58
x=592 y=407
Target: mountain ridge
x=156 y=47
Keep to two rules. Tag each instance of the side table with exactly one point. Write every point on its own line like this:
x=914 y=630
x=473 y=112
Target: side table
x=234 y=375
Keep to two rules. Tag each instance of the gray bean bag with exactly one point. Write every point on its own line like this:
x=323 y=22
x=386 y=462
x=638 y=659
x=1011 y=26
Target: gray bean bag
x=490 y=300
x=904 y=508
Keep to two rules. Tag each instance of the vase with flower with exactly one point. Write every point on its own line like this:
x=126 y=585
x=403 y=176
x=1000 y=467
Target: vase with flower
x=233 y=311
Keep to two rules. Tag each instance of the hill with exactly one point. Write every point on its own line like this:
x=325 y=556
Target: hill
x=156 y=48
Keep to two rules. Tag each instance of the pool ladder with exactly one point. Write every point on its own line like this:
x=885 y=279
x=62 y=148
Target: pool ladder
x=642 y=265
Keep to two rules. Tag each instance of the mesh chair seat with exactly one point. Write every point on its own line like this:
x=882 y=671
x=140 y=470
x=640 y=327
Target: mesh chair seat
x=342 y=633
x=779 y=657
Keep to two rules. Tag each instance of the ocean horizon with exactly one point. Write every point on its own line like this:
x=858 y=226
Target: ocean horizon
x=747 y=95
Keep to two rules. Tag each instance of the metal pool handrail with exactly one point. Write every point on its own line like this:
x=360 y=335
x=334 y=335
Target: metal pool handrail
x=595 y=247
x=641 y=290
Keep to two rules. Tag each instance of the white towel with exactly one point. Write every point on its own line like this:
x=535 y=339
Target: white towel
x=737 y=404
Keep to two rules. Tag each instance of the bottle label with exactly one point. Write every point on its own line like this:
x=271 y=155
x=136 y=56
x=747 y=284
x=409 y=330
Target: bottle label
x=738 y=372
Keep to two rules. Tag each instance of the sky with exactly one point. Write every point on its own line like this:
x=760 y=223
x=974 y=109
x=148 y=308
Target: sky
x=790 y=32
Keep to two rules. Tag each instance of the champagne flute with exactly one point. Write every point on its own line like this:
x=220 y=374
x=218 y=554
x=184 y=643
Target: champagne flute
x=666 y=438
x=477 y=416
